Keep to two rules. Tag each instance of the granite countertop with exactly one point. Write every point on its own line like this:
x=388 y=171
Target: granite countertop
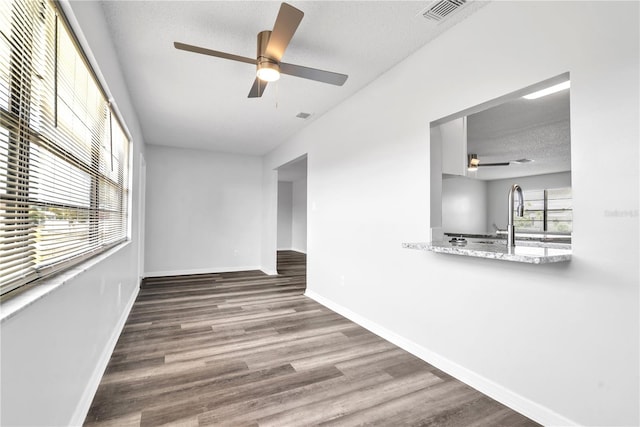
x=523 y=252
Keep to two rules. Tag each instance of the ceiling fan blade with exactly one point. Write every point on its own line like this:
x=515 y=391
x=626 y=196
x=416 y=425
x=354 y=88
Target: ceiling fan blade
x=521 y=161
x=494 y=164
x=285 y=26
x=257 y=89
x=313 y=74
x=210 y=52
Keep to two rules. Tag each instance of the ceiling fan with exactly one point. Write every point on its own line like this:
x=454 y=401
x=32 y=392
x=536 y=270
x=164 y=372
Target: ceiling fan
x=474 y=163
x=271 y=47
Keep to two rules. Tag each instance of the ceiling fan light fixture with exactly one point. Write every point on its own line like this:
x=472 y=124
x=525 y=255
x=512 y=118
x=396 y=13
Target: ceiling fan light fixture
x=268 y=71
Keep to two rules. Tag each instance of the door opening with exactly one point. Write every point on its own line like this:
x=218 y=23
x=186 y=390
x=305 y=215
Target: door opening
x=292 y=214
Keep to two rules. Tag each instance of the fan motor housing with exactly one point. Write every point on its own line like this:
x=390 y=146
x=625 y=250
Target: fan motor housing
x=263 y=41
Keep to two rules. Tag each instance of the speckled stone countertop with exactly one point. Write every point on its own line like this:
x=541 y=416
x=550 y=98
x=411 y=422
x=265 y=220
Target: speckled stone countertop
x=523 y=252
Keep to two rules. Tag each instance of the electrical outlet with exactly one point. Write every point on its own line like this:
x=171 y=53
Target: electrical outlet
x=341 y=280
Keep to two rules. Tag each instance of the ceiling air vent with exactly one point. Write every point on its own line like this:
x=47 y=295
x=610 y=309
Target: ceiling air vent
x=303 y=115
x=442 y=8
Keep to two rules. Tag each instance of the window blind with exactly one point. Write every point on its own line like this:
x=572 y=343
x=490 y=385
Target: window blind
x=63 y=153
x=548 y=210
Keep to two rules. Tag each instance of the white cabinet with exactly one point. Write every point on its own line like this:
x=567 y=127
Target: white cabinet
x=453 y=135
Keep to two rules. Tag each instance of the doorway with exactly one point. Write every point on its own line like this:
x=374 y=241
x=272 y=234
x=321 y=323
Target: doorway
x=292 y=213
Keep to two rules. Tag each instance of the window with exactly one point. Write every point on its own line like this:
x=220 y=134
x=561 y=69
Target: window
x=63 y=153
x=547 y=210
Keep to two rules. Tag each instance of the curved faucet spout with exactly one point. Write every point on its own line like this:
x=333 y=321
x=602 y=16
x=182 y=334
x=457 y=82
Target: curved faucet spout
x=511 y=228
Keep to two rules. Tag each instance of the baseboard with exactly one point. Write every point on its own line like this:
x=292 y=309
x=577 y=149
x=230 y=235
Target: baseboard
x=84 y=405
x=533 y=410
x=199 y=271
x=302 y=251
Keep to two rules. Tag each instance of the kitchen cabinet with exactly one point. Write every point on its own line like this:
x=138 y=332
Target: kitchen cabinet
x=453 y=135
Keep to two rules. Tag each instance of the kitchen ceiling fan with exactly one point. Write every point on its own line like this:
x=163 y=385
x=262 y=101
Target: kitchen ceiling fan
x=271 y=47
x=473 y=163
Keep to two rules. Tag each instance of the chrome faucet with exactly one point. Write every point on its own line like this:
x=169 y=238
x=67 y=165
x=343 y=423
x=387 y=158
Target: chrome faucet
x=511 y=228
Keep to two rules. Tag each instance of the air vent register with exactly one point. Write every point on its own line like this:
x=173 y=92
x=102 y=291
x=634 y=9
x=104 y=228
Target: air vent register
x=439 y=10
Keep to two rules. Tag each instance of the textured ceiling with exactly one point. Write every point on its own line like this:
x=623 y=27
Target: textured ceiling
x=195 y=101
x=536 y=129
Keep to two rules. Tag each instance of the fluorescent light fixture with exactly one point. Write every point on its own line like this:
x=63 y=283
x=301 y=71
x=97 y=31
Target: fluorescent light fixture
x=549 y=90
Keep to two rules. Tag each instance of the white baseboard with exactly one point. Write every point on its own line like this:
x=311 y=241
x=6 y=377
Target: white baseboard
x=84 y=405
x=529 y=408
x=199 y=271
x=302 y=251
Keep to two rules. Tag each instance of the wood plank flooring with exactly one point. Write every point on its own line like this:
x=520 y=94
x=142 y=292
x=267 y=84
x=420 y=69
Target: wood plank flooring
x=238 y=349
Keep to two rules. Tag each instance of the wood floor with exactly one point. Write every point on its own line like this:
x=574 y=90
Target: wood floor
x=249 y=349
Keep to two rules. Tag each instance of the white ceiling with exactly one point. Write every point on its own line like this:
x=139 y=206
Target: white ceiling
x=194 y=101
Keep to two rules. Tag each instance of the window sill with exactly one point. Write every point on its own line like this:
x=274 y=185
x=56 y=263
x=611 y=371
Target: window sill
x=43 y=287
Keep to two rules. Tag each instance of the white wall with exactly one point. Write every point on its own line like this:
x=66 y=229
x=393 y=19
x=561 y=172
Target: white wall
x=498 y=190
x=557 y=342
x=285 y=214
x=464 y=205
x=299 y=216
x=54 y=351
x=269 y=231
x=203 y=211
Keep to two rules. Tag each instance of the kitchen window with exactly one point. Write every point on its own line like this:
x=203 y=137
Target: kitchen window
x=64 y=155
x=548 y=210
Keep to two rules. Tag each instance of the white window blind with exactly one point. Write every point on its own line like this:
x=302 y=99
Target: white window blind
x=63 y=153
x=549 y=210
